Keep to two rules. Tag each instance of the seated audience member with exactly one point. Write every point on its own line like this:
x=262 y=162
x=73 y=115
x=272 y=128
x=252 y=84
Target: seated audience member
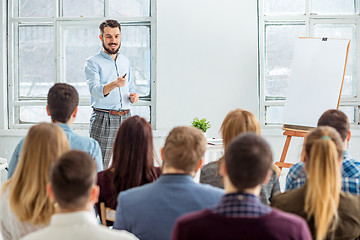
x=150 y=211
x=62 y=101
x=350 y=167
x=330 y=212
x=240 y=214
x=24 y=206
x=73 y=187
x=237 y=122
x=132 y=164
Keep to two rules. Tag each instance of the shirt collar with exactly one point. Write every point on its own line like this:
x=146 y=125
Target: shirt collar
x=73 y=218
x=65 y=127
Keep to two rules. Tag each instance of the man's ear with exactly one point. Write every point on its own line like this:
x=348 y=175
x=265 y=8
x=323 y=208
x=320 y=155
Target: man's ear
x=199 y=165
x=162 y=153
x=101 y=37
x=223 y=170
x=75 y=112
x=348 y=136
x=94 y=195
x=47 y=110
x=50 y=192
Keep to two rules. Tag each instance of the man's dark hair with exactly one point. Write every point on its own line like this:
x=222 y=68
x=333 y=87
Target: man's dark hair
x=62 y=100
x=72 y=177
x=248 y=159
x=336 y=119
x=109 y=23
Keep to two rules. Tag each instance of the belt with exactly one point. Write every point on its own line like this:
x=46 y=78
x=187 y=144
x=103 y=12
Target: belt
x=112 y=112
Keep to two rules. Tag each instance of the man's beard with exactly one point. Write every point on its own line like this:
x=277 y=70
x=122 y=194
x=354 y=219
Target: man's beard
x=111 y=51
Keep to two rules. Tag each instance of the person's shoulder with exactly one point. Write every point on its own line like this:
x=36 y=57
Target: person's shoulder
x=288 y=219
x=209 y=188
x=107 y=233
x=148 y=189
x=296 y=168
x=192 y=219
x=287 y=200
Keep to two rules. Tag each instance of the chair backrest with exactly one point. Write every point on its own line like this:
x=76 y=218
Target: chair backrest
x=107 y=214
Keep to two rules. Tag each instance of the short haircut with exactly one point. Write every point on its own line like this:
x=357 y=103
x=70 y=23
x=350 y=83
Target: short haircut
x=109 y=23
x=248 y=159
x=336 y=119
x=72 y=177
x=62 y=100
x=183 y=149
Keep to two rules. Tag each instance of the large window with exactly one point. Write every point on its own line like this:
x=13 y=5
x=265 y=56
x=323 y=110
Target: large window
x=280 y=23
x=50 y=40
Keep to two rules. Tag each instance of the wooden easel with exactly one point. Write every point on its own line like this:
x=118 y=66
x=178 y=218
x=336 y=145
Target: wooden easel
x=289 y=134
x=301 y=131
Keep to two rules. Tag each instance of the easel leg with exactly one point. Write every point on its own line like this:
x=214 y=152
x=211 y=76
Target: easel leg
x=284 y=152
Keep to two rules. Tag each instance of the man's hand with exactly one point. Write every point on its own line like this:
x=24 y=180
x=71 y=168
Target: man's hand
x=120 y=81
x=134 y=97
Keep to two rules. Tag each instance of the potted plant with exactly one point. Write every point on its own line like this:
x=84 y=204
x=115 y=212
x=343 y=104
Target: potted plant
x=202 y=124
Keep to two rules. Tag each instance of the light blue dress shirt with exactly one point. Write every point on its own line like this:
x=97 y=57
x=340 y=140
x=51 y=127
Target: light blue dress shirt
x=77 y=142
x=100 y=70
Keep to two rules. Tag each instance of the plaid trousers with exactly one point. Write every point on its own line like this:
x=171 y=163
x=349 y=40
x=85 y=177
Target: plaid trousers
x=103 y=128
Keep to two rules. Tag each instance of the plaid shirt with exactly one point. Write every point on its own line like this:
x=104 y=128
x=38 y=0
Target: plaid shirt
x=350 y=175
x=241 y=205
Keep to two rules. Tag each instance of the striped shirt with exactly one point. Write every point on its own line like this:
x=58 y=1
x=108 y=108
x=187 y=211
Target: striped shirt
x=241 y=205
x=350 y=175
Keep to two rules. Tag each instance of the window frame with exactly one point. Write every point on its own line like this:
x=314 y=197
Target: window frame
x=308 y=20
x=59 y=24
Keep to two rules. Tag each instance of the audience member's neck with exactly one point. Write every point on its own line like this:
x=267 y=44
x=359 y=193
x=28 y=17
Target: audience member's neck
x=230 y=188
x=171 y=170
x=64 y=210
x=69 y=122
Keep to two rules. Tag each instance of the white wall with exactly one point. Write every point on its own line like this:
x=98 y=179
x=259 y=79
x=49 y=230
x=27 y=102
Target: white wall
x=206 y=60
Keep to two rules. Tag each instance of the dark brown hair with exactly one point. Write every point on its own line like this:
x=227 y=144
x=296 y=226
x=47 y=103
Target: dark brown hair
x=109 y=23
x=133 y=155
x=72 y=177
x=184 y=148
x=336 y=119
x=248 y=159
x=62 y=100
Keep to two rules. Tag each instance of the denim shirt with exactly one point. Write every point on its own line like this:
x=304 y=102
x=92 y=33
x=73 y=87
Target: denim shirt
x=100 y=70
x=77 y=142
x=350 y=175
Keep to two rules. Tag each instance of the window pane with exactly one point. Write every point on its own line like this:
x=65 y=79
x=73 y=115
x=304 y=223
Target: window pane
x=83 y=8
x=33 y=114
x=342 y=32
x=136 y=46
x=129 y=8
x=80 y=44
x=350 y=112
x=141 y=111
x=279 y=45
x=83 y=43
x=36 y=8
x=276 y=7
x=333 y=6
x=36 y=60
x=274 y=115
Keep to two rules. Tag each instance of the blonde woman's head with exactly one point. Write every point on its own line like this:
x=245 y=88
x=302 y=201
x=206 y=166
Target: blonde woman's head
x=44 y=143
x=236 y=122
